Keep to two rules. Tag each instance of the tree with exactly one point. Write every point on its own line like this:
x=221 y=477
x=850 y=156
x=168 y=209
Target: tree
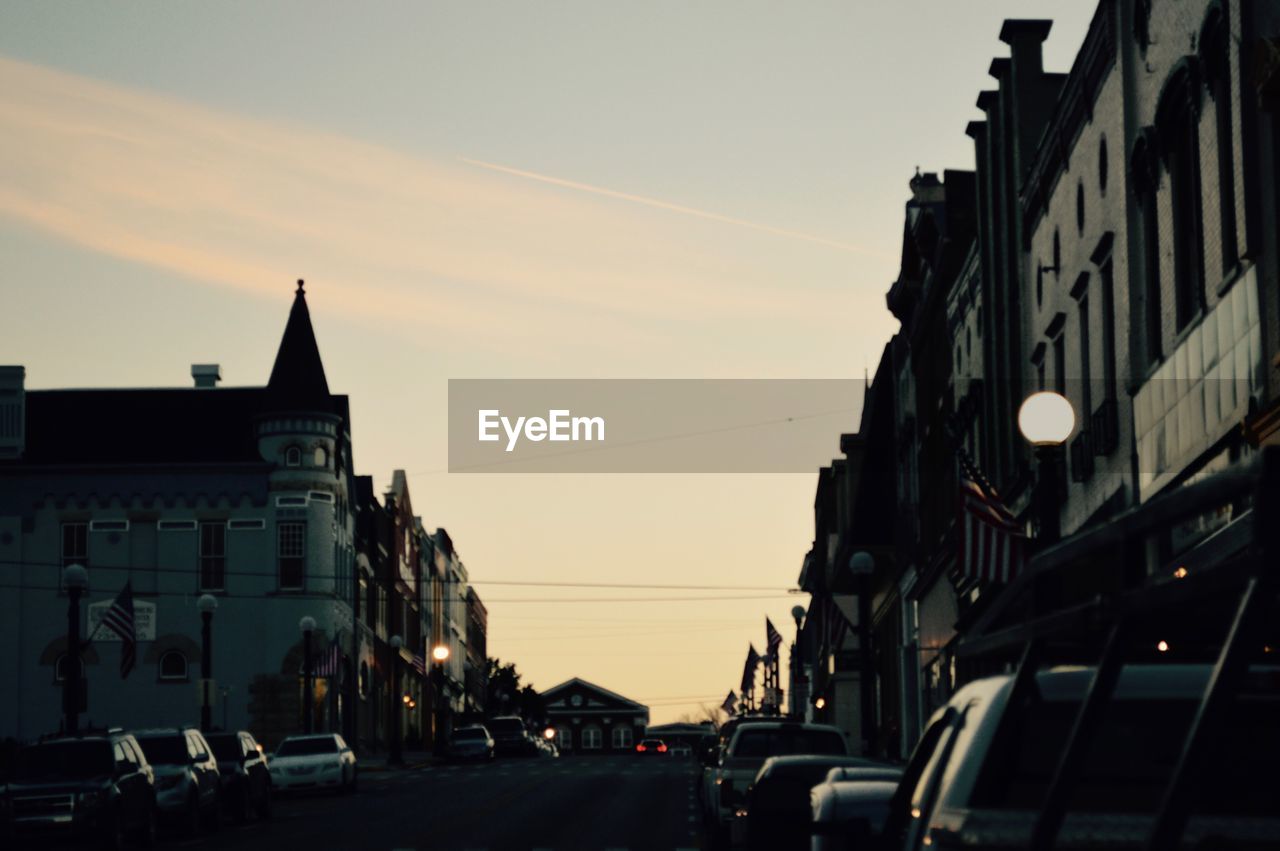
x=506 y=696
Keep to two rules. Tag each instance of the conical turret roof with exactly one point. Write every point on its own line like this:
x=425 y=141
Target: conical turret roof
x=297 y=380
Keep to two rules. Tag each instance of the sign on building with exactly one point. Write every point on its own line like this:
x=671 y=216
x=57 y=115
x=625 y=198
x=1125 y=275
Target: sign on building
x=144 y=620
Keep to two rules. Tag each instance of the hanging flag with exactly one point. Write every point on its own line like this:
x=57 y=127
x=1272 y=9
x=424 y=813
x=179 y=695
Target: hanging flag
x=420 y=663
x=730 y=702
x=749 y=670
x=992 y=543
x=773 y=638
x=120 y=620
x=330 y=661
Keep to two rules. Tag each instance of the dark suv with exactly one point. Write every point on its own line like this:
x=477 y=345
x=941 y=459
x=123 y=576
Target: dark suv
x=186 y=775
x=243 y=772
x=510 y=738
x=96 y=785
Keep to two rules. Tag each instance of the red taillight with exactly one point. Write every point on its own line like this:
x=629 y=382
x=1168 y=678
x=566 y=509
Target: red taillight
x=639 y=748
x=662 y=748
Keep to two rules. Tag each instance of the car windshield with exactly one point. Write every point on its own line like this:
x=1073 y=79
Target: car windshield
x=64 y=761
x=471 y=733
x=307 y=747
x=506 y=725
x=165 y=750
x=757 y=744
x=225 y=748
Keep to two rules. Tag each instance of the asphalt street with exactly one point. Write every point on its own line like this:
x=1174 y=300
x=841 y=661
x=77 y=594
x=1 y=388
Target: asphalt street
x=587 y=803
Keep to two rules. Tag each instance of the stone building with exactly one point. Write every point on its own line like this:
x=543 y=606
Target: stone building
x=243 y=493
x=590 y=719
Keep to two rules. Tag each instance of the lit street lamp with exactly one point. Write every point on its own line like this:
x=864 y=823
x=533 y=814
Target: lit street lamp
x=207 y=604
x=75 y=579
x=439 y=655
x=307 y=625
x=393 y=754
x=1046 y=419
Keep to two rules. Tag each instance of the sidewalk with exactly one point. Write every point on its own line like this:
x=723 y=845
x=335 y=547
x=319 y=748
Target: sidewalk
x=409 y=759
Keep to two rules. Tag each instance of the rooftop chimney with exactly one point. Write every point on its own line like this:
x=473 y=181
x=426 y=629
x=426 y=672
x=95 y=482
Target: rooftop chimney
x=206 y=374
x=13 y=413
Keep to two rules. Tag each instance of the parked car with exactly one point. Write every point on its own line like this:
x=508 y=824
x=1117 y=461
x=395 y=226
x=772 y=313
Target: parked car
x=741 y=759
x=94 y=786
x=850 y=812
x=321 y=761
x=652 y=747
x=470 y=743
x=187 y=779
x=980 y=773
x=778 y=808
x=510 y=738
x=243 y=772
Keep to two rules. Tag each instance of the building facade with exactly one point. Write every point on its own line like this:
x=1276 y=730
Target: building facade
x=590 y=719
x=242 y=493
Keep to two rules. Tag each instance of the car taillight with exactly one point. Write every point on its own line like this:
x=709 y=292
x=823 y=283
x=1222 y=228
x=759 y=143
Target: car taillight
x=639 y=748
x=662 y=748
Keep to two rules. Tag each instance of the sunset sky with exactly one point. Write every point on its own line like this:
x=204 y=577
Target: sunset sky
x=497 y=190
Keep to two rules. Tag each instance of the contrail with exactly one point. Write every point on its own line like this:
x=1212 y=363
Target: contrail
x=666 y=205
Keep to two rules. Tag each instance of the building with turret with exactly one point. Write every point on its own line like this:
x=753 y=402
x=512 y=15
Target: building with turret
x=243 y=493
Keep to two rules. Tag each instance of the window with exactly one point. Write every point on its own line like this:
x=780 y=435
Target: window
x=564 y=738
x=213 y=556
x=291 y=553
x=1039 y=285
x=1057 y=253
x=1080 y=206
x=1107 y=285
x=176 y=525
x=1086 y=394
x=381 y=621
x=173 y=666
x=591 y=738
x=622 y=738
x=1102 y=165
x=1177 y=120
x=1215 y=44
x=321 y=457
x=293 y=457
x=109 y=526
x=75 y=544
x=1145 y=184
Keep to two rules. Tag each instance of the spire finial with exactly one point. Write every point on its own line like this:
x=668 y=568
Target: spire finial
x=300 y=291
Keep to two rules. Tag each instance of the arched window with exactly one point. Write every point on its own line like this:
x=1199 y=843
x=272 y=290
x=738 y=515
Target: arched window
x=622 y=738
x=591 y=738
x=173 y=666
x=293 y=457
x=564 y=738
x=1178 y=125
x=1215 y=53
x=321 y=457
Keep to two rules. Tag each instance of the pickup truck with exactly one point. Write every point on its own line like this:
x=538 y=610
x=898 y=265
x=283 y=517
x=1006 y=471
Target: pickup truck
x=980 y=773
x=745 y=752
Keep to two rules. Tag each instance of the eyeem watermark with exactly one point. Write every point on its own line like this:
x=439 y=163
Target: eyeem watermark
x=559 y=426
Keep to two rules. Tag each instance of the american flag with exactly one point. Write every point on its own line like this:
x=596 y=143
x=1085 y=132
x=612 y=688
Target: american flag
x=420 y=663
x=730 y=702
x=119 y=619
x=330 y=661
x=749 y=670
x=773 y=638
x=992 y=544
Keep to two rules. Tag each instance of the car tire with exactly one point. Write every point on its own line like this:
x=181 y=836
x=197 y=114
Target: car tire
x=240 y=807
x=113 y=838
x=191 y=823
x=213 y=818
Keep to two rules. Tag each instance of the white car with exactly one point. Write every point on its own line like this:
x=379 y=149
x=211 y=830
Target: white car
x=313 y=762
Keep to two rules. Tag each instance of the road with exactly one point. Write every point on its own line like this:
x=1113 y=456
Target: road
x=566 y=804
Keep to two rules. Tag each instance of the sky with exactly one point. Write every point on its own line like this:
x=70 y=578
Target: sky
x=498 y=190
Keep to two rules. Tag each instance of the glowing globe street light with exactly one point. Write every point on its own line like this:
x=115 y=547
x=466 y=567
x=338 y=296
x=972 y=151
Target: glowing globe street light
x=440 y=652
x=1046 y=419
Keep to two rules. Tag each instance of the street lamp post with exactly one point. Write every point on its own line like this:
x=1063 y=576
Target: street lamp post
x=393 y=755
x=797 y=614
x=75 y=579
x=307 y=625
x=207 y=604
x=439 y=655
x=1046 y=419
